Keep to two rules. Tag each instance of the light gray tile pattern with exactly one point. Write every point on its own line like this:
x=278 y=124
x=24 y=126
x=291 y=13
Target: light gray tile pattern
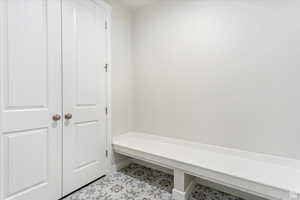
x=136 y=182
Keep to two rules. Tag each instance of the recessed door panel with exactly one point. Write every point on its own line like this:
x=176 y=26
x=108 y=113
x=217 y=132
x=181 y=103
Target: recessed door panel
x=30 y=94
x=86 y=142
x=84 y=96
x=86 y=52
x=26 y=49
x=34 y=171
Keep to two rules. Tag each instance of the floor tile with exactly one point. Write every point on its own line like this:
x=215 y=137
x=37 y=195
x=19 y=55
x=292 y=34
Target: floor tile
x=136 y=182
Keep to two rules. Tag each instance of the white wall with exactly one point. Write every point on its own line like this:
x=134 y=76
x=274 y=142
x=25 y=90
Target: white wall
x=122 y=69
x=222 y=72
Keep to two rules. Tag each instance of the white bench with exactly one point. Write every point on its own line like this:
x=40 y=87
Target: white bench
x=267 y=176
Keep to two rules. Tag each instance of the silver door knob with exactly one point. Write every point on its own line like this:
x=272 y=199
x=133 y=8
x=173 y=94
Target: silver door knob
x=68 y=116
x=56 y=117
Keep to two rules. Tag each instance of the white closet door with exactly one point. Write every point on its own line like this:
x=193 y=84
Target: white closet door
x=30 y=91
x=84 y=132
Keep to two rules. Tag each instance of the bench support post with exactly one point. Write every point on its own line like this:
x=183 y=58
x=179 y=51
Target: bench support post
x=183 y=184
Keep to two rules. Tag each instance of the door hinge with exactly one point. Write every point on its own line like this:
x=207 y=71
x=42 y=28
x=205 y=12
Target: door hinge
x=106 y=111
x=106 y=153
x=106 y=67
x=106 y=25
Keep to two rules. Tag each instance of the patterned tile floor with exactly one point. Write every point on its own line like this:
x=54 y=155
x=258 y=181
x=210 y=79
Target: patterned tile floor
x=136 y=182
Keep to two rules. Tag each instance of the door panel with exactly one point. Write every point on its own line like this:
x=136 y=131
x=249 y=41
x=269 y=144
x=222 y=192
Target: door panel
x=27 y=45
x=84 y=96
x=36 y=161
x=30 y=94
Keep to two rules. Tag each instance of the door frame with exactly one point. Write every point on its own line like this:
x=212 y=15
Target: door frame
x=1 y=93
x=108 y=11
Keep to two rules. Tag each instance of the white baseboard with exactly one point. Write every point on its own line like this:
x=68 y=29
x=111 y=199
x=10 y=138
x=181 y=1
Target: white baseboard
x=178 y=195
x=228 y=190
x=152 y=166
x=190 y=188
x=126 y=161
x=121 y=164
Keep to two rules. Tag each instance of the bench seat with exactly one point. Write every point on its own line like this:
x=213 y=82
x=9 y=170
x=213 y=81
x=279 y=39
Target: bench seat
x=263 y=175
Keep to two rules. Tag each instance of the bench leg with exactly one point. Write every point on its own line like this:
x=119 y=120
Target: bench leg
x=183 y=183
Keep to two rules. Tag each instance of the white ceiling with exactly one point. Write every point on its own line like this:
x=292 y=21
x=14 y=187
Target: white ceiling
x=138 y=3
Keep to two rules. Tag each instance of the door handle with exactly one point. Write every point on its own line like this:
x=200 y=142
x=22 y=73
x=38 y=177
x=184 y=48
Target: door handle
x=68 y=116
x=56 y=117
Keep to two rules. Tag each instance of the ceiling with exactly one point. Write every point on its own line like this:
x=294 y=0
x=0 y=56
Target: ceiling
x=138 y=3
